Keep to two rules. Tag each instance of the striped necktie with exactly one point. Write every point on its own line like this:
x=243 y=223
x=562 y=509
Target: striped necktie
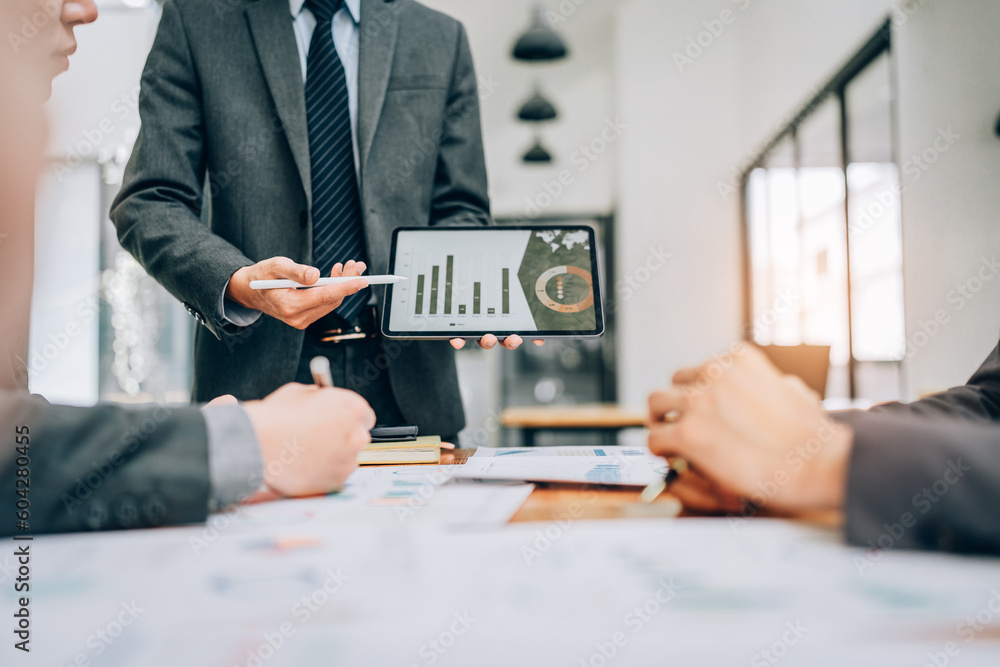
x=338 y=231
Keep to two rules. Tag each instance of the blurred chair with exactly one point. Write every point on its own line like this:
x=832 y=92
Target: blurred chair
x=809 y=362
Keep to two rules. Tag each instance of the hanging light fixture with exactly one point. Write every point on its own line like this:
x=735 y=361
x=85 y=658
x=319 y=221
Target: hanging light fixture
x=540 y=41
x=537 y=109
x=537 y=154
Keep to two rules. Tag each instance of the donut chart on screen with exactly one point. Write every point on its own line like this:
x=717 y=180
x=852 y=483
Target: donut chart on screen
x=556 y=273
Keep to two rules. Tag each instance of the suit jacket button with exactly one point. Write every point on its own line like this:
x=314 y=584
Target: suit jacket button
x=154 y=509
x=96 y=515
x=303 y=219
x=127 y=512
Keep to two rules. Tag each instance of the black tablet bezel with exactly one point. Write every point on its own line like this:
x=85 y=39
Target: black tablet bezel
x=536 y=335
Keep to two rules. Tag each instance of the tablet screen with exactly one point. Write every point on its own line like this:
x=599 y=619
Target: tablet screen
x=501 y=280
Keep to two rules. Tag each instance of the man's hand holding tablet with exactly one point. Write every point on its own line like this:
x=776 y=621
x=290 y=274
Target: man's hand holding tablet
x=489 y=341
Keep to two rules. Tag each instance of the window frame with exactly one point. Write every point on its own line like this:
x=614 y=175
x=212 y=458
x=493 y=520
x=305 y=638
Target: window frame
x=879 y=44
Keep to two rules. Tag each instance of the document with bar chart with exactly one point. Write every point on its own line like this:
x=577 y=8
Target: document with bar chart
x=633 y=471
x=470 y=281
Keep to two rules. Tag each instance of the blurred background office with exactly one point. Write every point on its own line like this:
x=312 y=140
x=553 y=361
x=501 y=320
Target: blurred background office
x=795 y=172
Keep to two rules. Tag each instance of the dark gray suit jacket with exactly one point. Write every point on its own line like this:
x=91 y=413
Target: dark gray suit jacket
x=927 y=474
x=224 y=128
x=101 y=468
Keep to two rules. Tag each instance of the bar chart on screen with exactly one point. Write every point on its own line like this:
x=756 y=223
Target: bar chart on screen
x=453 y=287
x=432 y=290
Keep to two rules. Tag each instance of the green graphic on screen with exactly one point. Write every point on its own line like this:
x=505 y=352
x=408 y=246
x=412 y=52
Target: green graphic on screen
x=555 y=274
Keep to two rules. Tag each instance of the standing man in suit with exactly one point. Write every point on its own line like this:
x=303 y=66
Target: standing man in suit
x=921 y=475
x=287 y=139
x=65 y=468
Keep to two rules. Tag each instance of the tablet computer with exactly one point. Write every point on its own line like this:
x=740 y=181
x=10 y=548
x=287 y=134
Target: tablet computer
x=465 y=282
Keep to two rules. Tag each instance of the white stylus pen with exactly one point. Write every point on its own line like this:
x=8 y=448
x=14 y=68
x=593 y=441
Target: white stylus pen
x=320 y=369
x=323 y=282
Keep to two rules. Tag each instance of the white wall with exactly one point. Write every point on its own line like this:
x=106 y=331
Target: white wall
x=691 y=130
x=682 y=135
x=788 y=50
x=63 y=345
x=949 y=78
x=579 y=86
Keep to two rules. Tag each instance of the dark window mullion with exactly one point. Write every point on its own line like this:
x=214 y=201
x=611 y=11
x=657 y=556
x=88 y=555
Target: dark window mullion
x=845 y=158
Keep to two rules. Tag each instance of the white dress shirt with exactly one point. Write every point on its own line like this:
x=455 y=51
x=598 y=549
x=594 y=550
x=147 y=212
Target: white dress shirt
x=346 y=38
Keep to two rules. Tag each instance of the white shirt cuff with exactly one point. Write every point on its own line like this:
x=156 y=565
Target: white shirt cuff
x=235 y=463
x=228 y=311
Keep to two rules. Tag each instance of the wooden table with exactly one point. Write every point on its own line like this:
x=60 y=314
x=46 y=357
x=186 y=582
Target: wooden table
x=554 y=502
x=559 y=502
x=601 y=417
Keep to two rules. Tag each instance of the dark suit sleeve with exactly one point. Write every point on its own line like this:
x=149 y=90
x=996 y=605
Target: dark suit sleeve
x=102 y=468
x=460 y=184
x=923 y=483
x=157 y=211
x=933 y=464
x=978 y=400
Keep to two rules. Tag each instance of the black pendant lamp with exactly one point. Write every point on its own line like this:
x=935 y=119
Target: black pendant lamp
x=540 y=41
x=537 y=109
x=537 y=154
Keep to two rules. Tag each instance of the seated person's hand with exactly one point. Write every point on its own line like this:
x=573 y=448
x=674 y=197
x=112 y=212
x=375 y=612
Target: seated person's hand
x=310 y=437
x=698 y=493
x=489 y=341
x=750 y=431
x=296 y=307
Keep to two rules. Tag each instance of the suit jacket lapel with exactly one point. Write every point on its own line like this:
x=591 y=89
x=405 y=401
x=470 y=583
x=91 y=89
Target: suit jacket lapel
x=379 y=28
x=271 y=27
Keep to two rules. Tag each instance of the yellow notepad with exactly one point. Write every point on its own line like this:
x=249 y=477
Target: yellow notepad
x=425 y=449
